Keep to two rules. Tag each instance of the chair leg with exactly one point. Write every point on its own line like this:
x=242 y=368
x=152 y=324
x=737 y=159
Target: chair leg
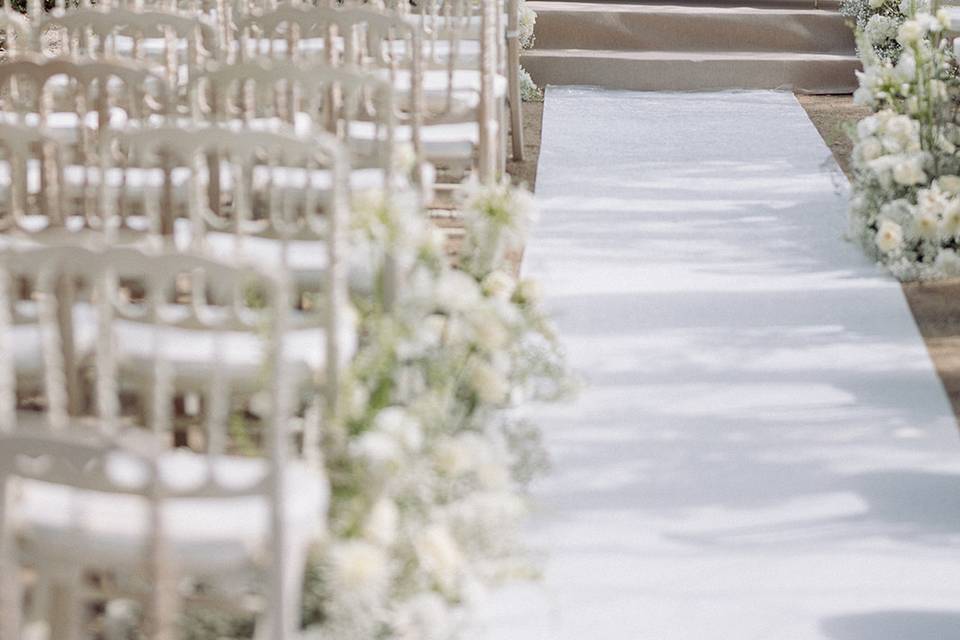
x=11 y=596
x=65 y=615
x=516 y=103
x=502 y=138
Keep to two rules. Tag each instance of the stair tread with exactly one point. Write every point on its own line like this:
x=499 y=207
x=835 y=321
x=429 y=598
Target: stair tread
x=568 y=6
x=683 y=55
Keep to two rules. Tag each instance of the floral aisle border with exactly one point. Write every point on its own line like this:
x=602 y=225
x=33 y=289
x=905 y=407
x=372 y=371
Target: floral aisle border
x=529 y=91
x=905 y=208
x=879 y=21
x=427 y=465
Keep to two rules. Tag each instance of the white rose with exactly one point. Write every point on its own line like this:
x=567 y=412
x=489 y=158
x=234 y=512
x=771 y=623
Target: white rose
x=529 y=291
x=453 y=457
x=868 y=126
x=489 y=385
x=377 y=448
x=950 y=184
x=870 y=149
x=906 y=69
x=456 y=291
x=889 y=236
x=397 y=423
x=439 y=554
x=929 y=22
x=359 y=567
x=909 y=172
x=381 y=524
x=863 y=97
x=493 y=476
x=948 y=262
x=910 y=32
x=943 y=17
x=499 y=284
x=489 y=330
x=423 y=617
x=931 y=201
x=951 y=219
x=928 y=225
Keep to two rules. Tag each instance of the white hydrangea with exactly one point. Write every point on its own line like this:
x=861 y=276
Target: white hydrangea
x=881 y=27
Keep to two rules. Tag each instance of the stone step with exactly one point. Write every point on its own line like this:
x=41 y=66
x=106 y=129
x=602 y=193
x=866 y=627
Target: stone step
x=645 y=27
x=693 y=70
x=830 y=5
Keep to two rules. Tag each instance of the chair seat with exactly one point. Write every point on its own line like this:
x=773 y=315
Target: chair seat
x=192 y=353
x=28 y=343
x=63 y=126
x=139 y=183
x=306 y=260
x=453 y=141
x=465 y=87
x=206 y=534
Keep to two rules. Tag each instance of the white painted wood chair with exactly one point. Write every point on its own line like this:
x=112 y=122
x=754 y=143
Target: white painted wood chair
x=79 y=497
x=309 y=97
x=73 y=100
x=440 y=107
x=174 y=44
x=464 y=36
x=16 y=32
x=277 y=200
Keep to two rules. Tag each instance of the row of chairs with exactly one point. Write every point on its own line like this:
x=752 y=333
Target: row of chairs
x=174 y=270
x=452 y=81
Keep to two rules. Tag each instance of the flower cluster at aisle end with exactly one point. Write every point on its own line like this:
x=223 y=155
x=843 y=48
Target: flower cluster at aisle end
x=905 y=208
x=428 y=466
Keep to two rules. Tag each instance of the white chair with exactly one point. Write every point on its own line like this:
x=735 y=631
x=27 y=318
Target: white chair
x=80 y=497
x=306 y=98
x=75 y=99
x=175 y=45
x=441 y=107
x=274 y=199
x=16 y=31
x=48 y=197
x=461 y=23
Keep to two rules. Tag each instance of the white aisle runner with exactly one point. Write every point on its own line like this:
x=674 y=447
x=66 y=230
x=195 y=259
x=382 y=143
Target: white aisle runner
x=763 y=450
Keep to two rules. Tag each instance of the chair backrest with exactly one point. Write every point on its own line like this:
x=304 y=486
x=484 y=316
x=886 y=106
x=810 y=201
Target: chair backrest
x=35 y=86
x=161 y=289
x=91 y=452
x=264 y=93
x=31 y=180
x=180 y=44
x=16 y=32
x=257 y=184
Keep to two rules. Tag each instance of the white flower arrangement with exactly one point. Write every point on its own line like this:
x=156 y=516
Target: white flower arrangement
x=529 y=91
x=527 y=24
x=878 y=23
x=428 y=469
x=905 y=209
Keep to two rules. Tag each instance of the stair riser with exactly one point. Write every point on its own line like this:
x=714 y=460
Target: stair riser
x=810 y=32
x=693 y=75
